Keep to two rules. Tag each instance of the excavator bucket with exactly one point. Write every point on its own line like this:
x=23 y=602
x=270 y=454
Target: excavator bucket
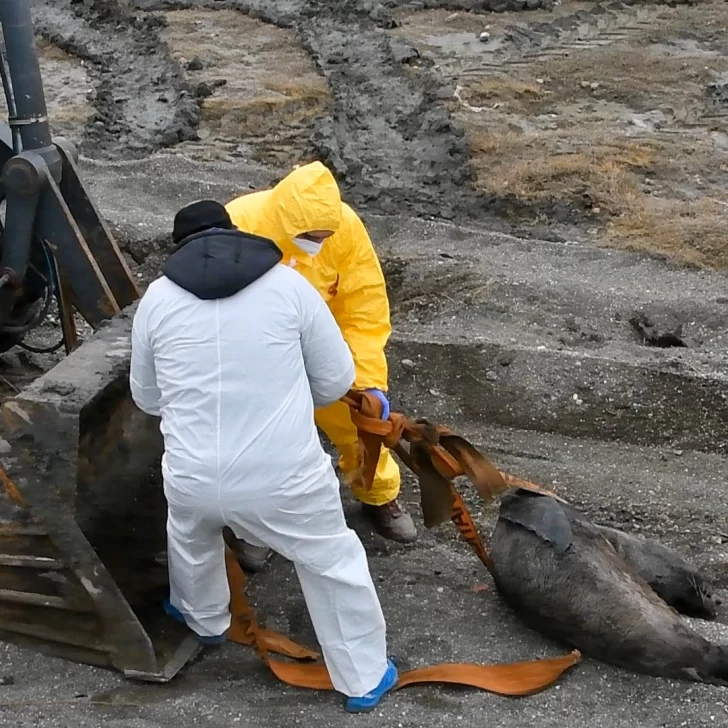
x=82 y=512
x=82 y=516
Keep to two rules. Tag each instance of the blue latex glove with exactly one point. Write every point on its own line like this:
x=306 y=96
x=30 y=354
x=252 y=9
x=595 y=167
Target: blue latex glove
x=383 y=399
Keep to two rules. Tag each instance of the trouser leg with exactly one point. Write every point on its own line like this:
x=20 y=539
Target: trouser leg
x=335 y=421
x=250 y=555
x=309 y=529
x=347 y=618
x=380 y=503
x=197 y=577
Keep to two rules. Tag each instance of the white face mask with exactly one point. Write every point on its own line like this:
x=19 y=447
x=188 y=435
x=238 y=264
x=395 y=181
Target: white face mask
x=308 y=246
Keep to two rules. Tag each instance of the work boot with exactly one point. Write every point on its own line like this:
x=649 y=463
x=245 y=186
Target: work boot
x=251 y=558
x=391 y=521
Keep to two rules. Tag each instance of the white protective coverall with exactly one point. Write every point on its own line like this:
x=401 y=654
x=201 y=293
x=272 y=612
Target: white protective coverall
x=235 y=361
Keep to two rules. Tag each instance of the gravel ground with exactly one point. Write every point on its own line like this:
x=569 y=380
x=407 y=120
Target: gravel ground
x=459 y=287
x=434 y=615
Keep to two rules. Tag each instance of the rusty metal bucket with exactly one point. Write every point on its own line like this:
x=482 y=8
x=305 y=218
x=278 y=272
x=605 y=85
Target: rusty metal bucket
x=82 y=515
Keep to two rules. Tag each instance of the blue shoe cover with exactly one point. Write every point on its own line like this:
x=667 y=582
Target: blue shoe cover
x=176 y=614
x=173 y=611
x=373 y=698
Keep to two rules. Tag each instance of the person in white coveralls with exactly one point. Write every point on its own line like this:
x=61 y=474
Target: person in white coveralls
x=234 y=351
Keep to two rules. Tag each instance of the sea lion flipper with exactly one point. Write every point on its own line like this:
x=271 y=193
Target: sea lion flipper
x=538 y=513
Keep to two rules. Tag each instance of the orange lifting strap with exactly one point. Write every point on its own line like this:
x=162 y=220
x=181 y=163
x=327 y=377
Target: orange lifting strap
x=436 y=456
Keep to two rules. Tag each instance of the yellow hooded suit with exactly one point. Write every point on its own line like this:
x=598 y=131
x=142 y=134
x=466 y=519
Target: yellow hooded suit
x=348 y=276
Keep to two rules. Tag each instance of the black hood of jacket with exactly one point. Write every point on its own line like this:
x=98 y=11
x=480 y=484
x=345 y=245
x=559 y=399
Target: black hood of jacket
x=219 y=263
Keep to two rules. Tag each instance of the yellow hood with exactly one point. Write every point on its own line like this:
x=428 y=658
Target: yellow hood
x=307 y=199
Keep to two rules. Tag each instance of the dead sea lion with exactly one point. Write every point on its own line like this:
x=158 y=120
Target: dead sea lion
x=564 y=578
x=674 y=579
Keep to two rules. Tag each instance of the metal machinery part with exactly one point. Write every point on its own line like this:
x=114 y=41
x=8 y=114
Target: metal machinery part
x=54 y=242
x=81 y=506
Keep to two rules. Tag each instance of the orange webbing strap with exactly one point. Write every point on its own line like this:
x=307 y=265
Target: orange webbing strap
x=516 y=679
x=436 y=455
x=245 y=630
x=462 y=519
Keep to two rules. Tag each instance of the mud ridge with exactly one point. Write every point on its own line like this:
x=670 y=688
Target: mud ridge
x=141 y=98
x=282 y=13
x=390 y=140
x=472 y=6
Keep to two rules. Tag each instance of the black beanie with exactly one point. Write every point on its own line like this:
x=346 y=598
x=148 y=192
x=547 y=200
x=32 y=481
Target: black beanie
x=200 y=216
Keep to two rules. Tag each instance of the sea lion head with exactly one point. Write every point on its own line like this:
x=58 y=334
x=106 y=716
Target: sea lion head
x=693 y=596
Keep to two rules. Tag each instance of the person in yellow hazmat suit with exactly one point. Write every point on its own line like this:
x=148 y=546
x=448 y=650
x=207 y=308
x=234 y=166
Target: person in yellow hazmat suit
x=323 y=239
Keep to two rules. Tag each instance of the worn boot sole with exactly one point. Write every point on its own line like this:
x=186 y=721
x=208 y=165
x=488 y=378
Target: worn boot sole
x=251 y=558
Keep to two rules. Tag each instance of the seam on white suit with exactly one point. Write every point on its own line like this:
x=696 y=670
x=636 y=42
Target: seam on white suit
x=219 y=410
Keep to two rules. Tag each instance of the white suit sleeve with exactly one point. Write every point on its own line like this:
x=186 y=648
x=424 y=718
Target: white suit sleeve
x=327 y=357
x=142 y=374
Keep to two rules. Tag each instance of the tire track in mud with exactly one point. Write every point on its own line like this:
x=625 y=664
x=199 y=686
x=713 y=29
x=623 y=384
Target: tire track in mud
x=585 y=29
x=600 y=26
x=523 y=44
x=604 y=24
x=141 y=98
x=471 y=6
x=390 y=139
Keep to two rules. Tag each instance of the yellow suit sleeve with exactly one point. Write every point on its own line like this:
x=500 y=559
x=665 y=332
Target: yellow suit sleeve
x=361 y=305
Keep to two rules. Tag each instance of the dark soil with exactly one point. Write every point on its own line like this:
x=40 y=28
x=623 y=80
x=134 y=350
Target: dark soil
x=390 y=139
x=392 y=136
x=141 y=99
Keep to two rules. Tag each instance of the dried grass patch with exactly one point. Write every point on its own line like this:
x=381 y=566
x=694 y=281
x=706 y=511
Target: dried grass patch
x=262 y=115
x=503 y=89
x=534 y=172
x=690 y=232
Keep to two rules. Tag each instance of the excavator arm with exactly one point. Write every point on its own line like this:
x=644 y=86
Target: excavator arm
x=54 y=242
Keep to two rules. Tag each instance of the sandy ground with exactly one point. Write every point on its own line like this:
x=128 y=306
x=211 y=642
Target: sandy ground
x=608 y=114
x=592 y=126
